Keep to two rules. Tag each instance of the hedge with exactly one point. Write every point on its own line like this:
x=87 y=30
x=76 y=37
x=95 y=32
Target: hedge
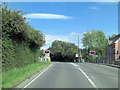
x=20 y=41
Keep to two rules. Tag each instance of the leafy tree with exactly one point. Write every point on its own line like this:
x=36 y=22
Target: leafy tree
x=110 y=37
x=63 y=51
x=100 y=44
x=94 y=40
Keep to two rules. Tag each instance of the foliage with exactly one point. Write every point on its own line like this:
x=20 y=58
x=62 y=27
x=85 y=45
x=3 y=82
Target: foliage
x=41 y=53
x=20 y=42
x=17 y=54
x=13 y=24
x=94 y=40
x=110 y=37
x=63 y=51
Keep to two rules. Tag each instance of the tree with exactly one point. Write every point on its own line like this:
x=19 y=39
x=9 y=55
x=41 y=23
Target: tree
x=63 y=51
x=94 y=40
x=101 y=44
x=110 y=37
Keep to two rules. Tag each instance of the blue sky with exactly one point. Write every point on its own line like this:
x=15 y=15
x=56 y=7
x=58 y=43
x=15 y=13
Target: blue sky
x=61 y=20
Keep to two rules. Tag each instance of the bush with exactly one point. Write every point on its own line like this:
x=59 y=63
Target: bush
x=20 y=42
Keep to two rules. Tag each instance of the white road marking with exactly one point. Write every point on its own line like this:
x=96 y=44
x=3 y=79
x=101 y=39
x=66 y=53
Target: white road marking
x=88 y=78
x=93 y=84
x=37 y=76
x=74 y=64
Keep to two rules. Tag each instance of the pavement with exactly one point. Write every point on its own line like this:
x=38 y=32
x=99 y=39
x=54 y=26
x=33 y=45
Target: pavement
x=112 y=65
x=74 y=75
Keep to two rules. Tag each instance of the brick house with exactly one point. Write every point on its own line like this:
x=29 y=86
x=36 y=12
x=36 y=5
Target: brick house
x=112 y=48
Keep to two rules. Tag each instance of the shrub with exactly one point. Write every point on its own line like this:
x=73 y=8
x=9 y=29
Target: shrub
x=20 y=42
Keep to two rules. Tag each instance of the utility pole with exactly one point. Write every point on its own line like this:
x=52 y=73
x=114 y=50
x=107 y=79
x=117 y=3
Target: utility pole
x=78 y=50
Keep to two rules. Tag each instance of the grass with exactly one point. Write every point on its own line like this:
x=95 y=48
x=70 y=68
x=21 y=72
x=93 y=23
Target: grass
x=0 y=80
x=13 y=77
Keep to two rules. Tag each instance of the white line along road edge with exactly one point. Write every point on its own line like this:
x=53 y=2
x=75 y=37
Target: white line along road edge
x=37 y=76
x=85 y=75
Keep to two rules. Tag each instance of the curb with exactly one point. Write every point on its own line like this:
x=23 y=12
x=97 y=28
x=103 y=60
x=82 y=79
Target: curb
x=109 y=65
x=113 y=66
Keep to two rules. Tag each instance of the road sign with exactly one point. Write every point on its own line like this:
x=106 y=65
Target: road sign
x=92 y=52
x=46 y=51
x=94 y=56
x=47 y=55
x=76 y=55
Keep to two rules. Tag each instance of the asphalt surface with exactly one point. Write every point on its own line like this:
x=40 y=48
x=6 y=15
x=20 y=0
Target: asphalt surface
x=77 y=75
x=103 y=76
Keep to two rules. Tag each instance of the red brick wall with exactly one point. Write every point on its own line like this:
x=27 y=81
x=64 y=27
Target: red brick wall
x=110 y=52
x=111 y=56
x=117 y=48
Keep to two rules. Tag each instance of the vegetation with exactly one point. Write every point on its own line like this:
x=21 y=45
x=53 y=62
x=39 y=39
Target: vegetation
x=17 y=75
x=41 y=53
x=110 y=37
x=94 y=41
x=63 y=51
x=20 y=48
x=20 y=42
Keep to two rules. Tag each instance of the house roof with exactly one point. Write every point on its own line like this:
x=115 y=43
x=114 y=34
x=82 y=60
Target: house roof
x=113 y=40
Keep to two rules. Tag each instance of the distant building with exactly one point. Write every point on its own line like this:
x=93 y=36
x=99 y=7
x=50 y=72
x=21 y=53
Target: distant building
x=113 y=50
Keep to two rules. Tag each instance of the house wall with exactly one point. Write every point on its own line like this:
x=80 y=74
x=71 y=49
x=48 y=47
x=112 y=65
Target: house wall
x=117 y=48
x=110 y=50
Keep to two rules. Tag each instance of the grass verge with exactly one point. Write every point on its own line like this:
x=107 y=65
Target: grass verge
x=17 y=75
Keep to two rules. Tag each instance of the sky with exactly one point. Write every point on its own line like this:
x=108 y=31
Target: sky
x=65 y=20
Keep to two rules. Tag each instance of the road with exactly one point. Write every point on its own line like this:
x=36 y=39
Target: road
x=77 y=75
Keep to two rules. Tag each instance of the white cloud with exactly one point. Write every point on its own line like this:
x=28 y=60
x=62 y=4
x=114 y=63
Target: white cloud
x=51 y=38
x=94 y=8
x=72 y=38
x=75 y=34
x=46 y=16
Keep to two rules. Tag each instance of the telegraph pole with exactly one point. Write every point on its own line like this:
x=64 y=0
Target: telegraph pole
x=78 y=50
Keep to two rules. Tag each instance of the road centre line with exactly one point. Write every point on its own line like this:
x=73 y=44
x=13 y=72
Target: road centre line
x=93 y=84
x=37 y=76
